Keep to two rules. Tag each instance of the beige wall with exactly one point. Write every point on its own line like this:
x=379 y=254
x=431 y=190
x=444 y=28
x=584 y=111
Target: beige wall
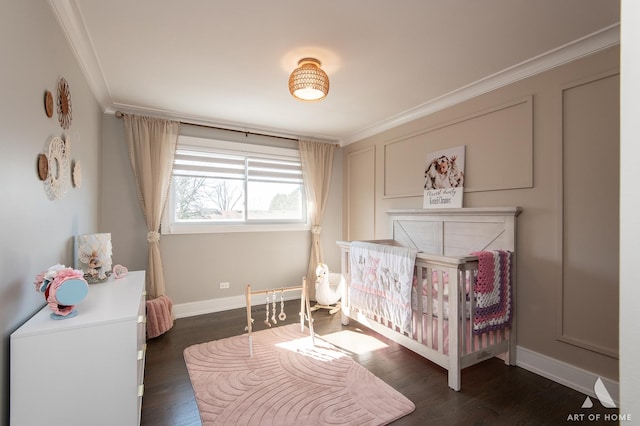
x=195 y=264
x=515 y=138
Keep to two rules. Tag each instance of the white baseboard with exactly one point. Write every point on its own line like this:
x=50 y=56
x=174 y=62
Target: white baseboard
x=203 y=307
x=565 y=374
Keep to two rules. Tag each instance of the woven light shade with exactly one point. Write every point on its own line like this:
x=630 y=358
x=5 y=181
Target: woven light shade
x=308 y=82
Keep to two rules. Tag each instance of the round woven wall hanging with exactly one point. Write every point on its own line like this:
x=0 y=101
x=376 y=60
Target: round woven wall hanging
x=58 y=170
x=64 y=103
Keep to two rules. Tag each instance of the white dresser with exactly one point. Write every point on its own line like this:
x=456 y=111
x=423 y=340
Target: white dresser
x=86 y=370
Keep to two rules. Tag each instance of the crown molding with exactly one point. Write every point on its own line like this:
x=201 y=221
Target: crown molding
x=70 y=20
x=592 y=43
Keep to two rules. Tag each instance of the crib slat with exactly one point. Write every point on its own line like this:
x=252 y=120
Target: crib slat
x=429 y=309
x=472 y=310
x=454 y=328
x=465 y=332
x=419 y=307
x=441 y=312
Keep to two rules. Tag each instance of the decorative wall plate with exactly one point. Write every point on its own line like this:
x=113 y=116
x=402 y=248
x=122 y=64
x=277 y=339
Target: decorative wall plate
x=58 y=173
x=43 y=166
x=64 y=104
x=48 y=103
x=76 y=175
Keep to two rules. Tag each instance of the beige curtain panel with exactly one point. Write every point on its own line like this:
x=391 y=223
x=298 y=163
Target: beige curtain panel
x=152 y=146
x=317 y=164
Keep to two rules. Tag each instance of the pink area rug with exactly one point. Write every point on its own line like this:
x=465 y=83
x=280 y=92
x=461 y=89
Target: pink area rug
x=288 y=381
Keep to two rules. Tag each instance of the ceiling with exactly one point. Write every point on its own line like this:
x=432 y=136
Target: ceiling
x=226 y=63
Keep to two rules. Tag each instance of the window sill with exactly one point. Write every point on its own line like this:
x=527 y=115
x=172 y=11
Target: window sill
x=199 y=228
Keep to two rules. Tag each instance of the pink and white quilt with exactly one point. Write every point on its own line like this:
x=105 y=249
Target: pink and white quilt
x=381 y=281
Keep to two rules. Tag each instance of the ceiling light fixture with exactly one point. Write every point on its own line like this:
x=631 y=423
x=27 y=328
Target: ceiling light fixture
x=308 y=82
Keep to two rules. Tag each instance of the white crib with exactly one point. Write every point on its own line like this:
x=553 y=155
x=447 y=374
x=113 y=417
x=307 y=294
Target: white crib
x=444 y=239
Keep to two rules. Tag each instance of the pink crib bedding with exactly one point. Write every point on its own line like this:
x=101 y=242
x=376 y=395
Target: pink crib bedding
x=435 y=277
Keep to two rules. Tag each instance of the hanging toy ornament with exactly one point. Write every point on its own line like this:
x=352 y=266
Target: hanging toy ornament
x=282 y=315
x=266 y=321
x=273 y=309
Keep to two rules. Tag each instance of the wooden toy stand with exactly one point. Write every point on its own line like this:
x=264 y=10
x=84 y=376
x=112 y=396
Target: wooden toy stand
x=305 y=309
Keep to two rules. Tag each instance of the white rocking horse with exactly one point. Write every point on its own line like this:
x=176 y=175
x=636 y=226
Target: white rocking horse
x=328 y=289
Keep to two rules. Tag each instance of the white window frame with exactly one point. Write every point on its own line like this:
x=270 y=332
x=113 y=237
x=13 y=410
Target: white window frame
x=171 y=226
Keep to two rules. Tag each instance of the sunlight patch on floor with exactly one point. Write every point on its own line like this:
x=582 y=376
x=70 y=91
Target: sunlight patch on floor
x=354 y=342
x=321 y=351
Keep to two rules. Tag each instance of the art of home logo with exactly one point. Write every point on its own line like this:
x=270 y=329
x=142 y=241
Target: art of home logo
x=606 y=400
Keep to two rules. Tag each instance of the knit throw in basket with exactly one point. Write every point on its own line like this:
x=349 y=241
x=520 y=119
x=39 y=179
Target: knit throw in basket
x=159 y=316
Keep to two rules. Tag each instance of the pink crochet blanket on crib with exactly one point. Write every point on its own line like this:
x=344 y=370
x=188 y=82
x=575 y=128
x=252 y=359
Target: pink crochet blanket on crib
x=492 y=291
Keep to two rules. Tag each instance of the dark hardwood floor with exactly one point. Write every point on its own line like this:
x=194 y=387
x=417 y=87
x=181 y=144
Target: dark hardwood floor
x=492 y=393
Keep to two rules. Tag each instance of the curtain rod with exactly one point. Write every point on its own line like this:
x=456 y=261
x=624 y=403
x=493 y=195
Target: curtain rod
x=120 y=114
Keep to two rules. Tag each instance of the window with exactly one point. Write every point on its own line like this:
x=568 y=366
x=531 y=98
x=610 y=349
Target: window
x=221 y=186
